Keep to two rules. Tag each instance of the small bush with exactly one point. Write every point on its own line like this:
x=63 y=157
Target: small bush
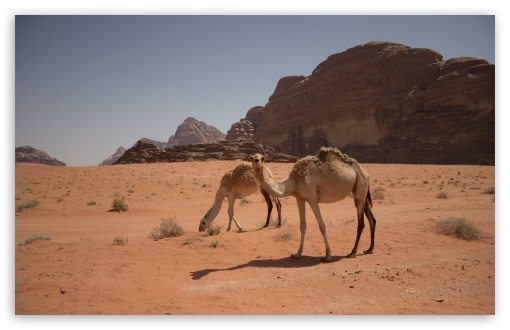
x=214 y=244
x=168 y=228
x=458 y=227
x=490 y=190
x=120 y=240
x=27 y=205
x=245 y=201
x=34 y=238
x=378 y=193
x=190 y=239
x=442 y=195
x=213 y=230
x=284 y=236
x=90 y=203
x=119 y=205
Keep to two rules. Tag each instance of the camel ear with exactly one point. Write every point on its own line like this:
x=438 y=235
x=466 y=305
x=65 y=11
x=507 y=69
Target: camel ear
x=263 y=158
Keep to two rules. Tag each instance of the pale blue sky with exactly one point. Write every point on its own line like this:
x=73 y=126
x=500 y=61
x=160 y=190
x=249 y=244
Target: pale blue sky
x=86 y=85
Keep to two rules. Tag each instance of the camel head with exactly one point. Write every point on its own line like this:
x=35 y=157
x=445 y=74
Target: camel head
x=204 y=223
x=257 y=161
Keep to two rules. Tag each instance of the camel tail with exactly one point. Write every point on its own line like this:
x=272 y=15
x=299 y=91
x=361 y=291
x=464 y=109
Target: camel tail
x=369 y=199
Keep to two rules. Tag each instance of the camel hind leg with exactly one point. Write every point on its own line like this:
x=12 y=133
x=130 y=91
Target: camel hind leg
x=360 y=207
x=372 y=222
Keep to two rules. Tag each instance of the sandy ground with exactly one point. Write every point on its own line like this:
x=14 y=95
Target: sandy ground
x=414 y=269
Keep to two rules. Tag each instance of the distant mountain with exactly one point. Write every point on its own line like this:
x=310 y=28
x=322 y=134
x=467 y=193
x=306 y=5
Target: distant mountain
x=113 y=158
x=193 y=131
x=27 y=154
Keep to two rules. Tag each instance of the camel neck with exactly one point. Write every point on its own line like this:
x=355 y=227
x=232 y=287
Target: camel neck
x=273 y=187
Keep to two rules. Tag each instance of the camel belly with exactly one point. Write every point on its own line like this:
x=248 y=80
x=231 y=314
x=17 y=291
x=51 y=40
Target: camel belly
x=332 y=189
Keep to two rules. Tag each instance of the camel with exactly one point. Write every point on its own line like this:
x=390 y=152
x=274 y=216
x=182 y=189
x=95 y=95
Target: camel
x=238 y=183
x=328 y=177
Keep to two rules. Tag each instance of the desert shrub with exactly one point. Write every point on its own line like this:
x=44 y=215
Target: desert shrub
x=214 y=244
x=213 y=230
x=459 y=228
x=378 y=193
x=490 y=190
x=168 y=228
x=27 y=205
x=120 y=240
x=273 y=222
x=119 y=205
x=190 y=239
x=90 y=203
x=244 y=201
x=284 y=235
x=442 y=195
x=34 y=238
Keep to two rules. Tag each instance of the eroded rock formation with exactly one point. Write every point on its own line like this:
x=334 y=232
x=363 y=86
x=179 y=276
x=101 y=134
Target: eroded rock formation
x=144 y=152
x=387 y=103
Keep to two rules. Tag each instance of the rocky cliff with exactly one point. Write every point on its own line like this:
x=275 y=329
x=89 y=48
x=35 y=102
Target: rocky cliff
x=384 y=102
x=27 y=154
x=194 y=131
x=144 y=152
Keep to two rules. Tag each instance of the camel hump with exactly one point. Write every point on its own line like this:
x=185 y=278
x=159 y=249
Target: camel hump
x=327 y=153
x=241 y=175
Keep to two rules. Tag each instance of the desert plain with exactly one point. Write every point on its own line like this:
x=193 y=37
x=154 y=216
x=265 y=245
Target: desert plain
x=91 y=261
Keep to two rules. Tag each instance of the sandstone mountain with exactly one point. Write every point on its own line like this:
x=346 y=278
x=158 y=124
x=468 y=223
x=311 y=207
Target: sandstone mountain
x=27 y=154
x=144 y=152
x=194 y=131
x=384 y=102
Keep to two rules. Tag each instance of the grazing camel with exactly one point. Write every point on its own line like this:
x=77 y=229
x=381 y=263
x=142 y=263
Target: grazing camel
x=236 y=184
x=328 y=177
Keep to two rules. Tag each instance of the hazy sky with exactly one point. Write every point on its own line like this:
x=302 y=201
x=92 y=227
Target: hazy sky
x=85 y=85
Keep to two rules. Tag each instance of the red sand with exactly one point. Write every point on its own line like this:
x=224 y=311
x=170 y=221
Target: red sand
x=414 y=269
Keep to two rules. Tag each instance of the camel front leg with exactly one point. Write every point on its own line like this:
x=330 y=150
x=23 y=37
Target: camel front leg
x=279 y=209
x=302 y=227
x=317 y=212
x=231 y=202
x=269 y=206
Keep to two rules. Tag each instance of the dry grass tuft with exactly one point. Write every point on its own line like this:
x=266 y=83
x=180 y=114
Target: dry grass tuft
x=458 y=227
x=168 y=228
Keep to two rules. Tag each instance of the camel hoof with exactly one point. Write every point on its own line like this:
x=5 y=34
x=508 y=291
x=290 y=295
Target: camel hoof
x=240 y=230
x=327 y=259
x=352 y=255
x=295 y=256
x=368 y=251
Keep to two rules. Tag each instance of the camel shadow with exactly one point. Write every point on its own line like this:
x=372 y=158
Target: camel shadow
x=268 y=263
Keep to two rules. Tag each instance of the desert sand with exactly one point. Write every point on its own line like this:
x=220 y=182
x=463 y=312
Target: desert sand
x=414 y=270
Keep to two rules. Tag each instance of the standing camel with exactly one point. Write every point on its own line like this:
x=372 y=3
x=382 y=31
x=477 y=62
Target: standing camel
x=328 y=177
x=237 y=184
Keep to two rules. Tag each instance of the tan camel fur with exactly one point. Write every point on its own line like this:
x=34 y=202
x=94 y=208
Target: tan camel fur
x=238 y=183
x=328 y=177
